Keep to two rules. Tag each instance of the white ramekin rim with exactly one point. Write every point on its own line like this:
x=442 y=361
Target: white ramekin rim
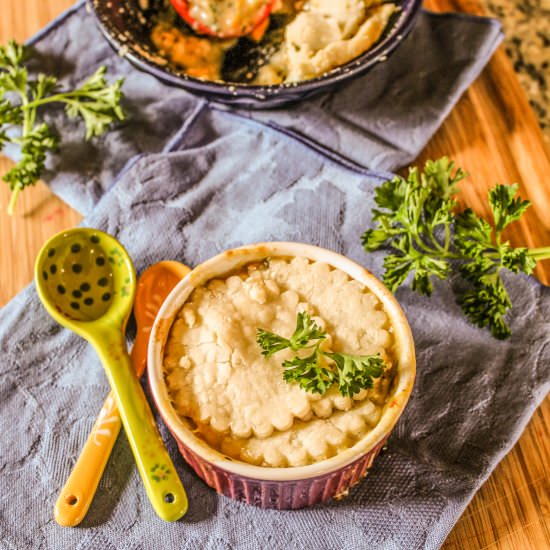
x=230 y=260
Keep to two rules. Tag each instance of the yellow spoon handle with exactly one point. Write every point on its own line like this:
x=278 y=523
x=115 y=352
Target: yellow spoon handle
x=79 y=490
x=162 y=484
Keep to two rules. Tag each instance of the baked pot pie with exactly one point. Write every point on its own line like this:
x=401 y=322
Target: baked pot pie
x=300 y=40
x=248 y=430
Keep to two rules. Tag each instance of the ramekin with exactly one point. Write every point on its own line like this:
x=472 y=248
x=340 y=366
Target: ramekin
x=292 y=487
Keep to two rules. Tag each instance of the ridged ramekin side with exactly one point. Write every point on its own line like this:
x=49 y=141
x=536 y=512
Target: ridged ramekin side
x=281 y=495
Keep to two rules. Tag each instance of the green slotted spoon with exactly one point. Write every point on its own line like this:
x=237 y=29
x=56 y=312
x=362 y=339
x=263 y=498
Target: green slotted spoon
x=86 y=281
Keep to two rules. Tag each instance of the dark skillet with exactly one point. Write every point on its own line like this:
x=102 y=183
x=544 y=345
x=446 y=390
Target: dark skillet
x=127 y=26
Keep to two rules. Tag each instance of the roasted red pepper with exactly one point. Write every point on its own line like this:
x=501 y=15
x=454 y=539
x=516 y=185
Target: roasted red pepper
x=232 y=22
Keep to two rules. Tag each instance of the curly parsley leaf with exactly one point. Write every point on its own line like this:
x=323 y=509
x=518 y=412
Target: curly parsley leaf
x=270 y=342
x=309 y=373
x=425 y=238
x=411 y=211
x=505 y=207
x=9 y=114
x=95 y=101
x=306 y=330
x=485 y=305
x=12 y=55
x=34 y=147
x=13 y=76
x=356 y=372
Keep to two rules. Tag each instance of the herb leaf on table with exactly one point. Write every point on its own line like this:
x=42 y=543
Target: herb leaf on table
x=95 y=101
x=416 y=221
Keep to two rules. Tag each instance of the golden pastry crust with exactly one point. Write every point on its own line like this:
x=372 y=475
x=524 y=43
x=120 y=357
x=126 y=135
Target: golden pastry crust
x=217 y=377
x=324 y=36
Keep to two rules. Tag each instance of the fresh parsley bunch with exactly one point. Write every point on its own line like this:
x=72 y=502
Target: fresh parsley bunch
x=312 y=372
x=417 y=223
x=96 y=102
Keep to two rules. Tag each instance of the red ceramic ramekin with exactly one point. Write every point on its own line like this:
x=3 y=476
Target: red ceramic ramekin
x=292 y=487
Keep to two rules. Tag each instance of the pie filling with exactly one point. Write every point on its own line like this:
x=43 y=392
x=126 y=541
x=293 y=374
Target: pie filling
x=303 y=39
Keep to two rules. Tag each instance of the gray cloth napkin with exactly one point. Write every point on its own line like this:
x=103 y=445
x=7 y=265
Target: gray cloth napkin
x=472 y=398
x=381 y=120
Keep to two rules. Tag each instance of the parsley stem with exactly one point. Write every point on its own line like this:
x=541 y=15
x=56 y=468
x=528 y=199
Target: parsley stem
x=32 y=117
x=447 y=237
x=27 y=128
x=439 y=253
x=421 y=244
x=437 y=245
x=538 y=254
x=65 y=97
x=13 y=200
x=51 y=99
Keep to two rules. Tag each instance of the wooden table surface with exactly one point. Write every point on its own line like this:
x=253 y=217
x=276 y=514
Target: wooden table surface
x=493 y=134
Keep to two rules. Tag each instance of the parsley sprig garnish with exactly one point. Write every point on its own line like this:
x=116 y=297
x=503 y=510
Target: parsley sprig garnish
x=96 y=102
x=312 y=372
x=417 y=223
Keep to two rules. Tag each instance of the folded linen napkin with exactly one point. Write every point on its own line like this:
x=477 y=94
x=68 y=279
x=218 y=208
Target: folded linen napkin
x=381 y=120
x=472 y=398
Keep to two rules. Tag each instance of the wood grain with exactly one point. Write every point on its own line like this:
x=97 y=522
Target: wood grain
x=494 y=135
x=39 y=214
